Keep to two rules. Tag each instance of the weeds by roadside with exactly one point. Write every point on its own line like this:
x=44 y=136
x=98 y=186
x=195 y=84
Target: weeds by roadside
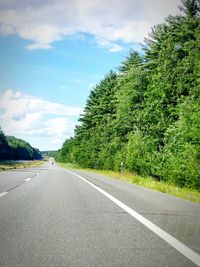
x=148 y=182
x=17 y=165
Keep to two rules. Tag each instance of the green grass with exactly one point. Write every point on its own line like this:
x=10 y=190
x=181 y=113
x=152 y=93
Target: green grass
x=19 y=165
x=149 y=182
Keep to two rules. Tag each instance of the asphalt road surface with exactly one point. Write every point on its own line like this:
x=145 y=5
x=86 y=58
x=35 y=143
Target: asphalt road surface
x=54 y=217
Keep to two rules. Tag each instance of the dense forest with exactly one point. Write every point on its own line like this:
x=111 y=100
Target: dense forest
x=146 y=116
x=12 y=148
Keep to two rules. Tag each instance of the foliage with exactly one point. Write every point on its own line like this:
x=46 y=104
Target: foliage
x=146 y=117
x=4 y=147
x=12 y=148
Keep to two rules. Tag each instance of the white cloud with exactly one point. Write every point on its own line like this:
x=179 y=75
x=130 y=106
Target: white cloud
x=34 y=117
x=18 y=104
x=111 y=46
x=110 y=22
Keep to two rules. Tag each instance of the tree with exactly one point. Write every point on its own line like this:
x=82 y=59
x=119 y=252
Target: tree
x=147 y=115
x=12 y=148
x=4 y=147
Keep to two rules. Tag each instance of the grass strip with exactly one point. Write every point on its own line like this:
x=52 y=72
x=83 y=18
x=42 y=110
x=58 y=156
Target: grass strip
x=148 y=182
x=20 y=165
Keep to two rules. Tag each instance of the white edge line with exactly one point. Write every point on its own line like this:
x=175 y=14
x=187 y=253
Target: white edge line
x=27 y=180
x=175 y=243
x=3 y=194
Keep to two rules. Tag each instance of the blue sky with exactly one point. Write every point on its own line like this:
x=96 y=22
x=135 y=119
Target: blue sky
x=52 y=54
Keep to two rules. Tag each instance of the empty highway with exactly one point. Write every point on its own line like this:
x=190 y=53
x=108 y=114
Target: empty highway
x=55 y=217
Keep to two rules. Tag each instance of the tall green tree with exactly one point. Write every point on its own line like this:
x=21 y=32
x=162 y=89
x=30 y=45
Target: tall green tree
x=148 y=115
x=4 y=147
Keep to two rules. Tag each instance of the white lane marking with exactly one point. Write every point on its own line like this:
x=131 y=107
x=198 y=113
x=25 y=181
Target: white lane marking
x=3 y=194
x=27 y=180
x=175 y=243
x=37 y=173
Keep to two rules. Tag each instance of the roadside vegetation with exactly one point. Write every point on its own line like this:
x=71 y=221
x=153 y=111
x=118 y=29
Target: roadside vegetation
x=145 y=118
x=148 y=182
x=9 y=165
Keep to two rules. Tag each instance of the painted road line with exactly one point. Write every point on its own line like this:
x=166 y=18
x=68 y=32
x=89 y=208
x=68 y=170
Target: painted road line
x=27 y=180
x=3 y=194
x=175 y=243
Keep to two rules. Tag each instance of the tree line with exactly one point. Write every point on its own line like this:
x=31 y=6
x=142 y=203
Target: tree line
x=12 y=148
x=146 y=116
x=49 y=153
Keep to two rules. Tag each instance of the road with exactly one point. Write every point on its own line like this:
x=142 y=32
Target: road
x=54 y=217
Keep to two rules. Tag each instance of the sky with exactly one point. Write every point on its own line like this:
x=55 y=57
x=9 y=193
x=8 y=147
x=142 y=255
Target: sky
x=53 y=52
